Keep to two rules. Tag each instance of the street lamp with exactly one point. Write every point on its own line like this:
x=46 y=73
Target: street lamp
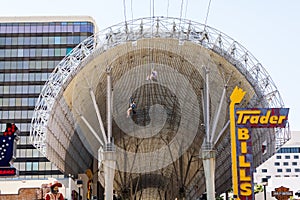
x=264 y=182
x=79 y=184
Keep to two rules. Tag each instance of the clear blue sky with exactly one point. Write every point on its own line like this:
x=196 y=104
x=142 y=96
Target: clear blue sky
x=269 y=29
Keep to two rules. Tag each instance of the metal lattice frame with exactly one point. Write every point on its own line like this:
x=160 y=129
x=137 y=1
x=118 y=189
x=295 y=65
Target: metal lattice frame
x=160 y=27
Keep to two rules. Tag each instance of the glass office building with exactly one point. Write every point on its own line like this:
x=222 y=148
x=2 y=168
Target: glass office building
x=30 y=48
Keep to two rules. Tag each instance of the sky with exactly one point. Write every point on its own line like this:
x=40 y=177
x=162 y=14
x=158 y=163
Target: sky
x=269 y=29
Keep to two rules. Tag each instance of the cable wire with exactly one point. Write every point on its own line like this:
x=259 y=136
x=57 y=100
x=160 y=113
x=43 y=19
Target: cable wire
x=131 y=11
x=207 y=13
x=153 y=8
x=124 y=8
x=152 y=16
x=168 y=8
x=181 y=8
x=186 y=6
x=150 y=8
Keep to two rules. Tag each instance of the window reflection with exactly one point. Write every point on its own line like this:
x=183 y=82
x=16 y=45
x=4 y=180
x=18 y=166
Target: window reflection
x=21 y=67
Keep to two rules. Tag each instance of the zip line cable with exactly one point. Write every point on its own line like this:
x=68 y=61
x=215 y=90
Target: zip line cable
x=131 y=11
x=179 y=28
x=152 y=15
x=168 y=9
x=186 y=6
x=150 y=8
x=149 y=49
x=207 y=14
x=124 y=9
x=181 y=8
x=153 y=8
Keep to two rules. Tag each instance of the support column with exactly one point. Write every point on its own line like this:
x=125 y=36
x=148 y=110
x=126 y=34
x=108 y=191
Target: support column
x=69 y=192
x=208 y=159
x=208 y=154
x=109 y=105
x=109 y=165
x=109 y=152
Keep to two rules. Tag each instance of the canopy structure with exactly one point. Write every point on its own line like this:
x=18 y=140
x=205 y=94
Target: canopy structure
x=157 y=145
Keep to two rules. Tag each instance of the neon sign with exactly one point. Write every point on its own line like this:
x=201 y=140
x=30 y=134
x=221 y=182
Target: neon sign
x=241 y=122
x=7 y=140
x=8 y=171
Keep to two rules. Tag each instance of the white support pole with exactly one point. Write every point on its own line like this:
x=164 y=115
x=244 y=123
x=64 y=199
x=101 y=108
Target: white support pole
x=69 y=193
x=109 y=119
x=202 y=98
x=208 y=159
x=91 y=129
x=221 y=132
x=206 y=104
x=109 y=165
x=109 y=160
x=216 y=119
x=98 y=115
x=208 y=154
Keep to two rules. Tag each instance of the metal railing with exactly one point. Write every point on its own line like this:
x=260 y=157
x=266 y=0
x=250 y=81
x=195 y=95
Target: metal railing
x=156 y=27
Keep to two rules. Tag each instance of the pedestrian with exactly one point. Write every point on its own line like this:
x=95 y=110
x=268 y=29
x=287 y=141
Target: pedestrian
x=54 y=193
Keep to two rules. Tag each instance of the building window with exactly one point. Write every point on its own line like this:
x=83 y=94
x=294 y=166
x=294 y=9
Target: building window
x=297 y=170
x=277 y=164
x=264 y=170
x=279 y=170
x=296 y=157
x=35 y=166
x=287 y=157
x=285 y=163
x=289 y=150
x=294 y=163
x=278 y=157
x=288 y=170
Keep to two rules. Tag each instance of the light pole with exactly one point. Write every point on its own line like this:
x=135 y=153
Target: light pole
x=79 y=184
x=70 y=186
x=264 y=182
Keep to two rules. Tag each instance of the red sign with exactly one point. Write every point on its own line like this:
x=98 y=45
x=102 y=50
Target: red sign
x=8 y=171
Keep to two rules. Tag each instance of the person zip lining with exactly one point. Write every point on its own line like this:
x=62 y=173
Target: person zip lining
x=132 y=106
x=152 y=76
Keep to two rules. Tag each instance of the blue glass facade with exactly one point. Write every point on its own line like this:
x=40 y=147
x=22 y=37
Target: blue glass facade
x=28 y=54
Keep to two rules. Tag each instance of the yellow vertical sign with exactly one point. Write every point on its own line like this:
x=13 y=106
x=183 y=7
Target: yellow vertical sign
x=236 y=97
x=241 y=121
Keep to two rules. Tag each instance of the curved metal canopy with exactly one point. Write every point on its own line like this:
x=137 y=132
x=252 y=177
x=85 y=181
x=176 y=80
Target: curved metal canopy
x=160 y=144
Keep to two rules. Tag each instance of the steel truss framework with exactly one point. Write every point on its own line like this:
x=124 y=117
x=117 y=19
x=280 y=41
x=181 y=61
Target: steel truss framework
x=156 y=27
x=52 y=117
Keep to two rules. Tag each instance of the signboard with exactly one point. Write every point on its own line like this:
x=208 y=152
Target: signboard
x=242 y=120
x=7 y=148
x=282 y=193
x=8 y=171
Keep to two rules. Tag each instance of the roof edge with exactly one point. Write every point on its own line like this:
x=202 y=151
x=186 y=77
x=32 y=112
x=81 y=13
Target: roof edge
x=46 y=18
